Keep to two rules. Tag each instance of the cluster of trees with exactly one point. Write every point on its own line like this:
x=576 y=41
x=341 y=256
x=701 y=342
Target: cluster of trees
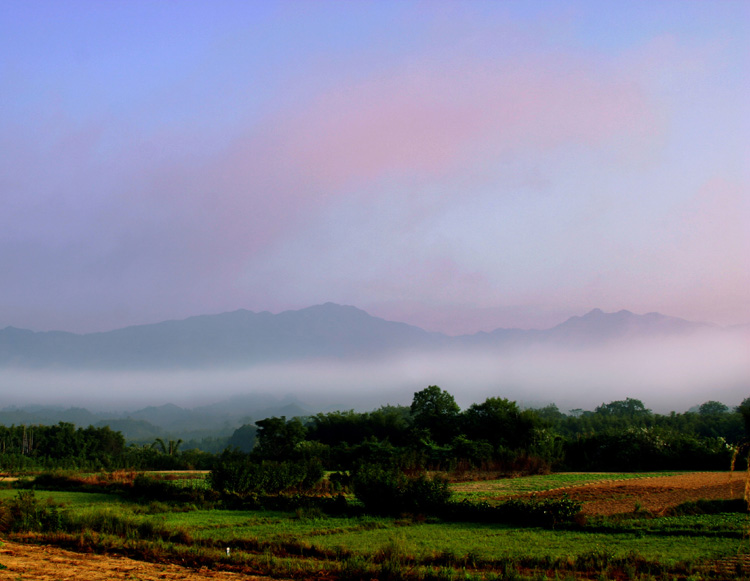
x=433 y=432
x=65 y=446
x=61 y=445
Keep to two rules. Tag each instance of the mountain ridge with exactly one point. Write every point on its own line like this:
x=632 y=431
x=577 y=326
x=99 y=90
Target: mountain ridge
x=325 y=331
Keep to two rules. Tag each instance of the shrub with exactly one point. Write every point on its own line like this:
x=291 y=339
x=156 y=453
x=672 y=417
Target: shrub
x=704 y=506
x=530 y=512
x=237 y=473
x=340 y=481
x=25 y=513
x=389 y=491
x=147 y=488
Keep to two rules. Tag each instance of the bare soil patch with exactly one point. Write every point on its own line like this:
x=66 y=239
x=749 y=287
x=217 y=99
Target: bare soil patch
x=48 y=563
x=655 y=494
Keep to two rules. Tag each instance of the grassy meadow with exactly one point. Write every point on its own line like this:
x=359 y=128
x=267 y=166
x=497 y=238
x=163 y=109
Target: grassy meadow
x=306 y=542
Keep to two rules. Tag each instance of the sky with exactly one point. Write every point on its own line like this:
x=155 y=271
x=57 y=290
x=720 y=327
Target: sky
x=460 y=166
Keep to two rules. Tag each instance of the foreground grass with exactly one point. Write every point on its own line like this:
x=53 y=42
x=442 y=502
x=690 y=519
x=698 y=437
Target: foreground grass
x=67 y=498
x=668 y=540
x=307 y=543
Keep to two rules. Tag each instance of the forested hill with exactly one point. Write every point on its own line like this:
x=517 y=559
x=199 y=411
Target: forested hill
x=325 y=331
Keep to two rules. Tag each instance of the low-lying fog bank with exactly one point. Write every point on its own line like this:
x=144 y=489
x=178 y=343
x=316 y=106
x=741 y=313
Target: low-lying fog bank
x=666 y=374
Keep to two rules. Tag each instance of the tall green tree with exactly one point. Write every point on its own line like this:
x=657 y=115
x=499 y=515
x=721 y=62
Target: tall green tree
x=711 y=408
x=744 y=410
x=277 y=438
x=436 y=413
x=500 y=422
x=243 y=438
x=626 y=408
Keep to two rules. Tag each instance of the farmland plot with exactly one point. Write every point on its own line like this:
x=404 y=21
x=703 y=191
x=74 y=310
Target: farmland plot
x=306 y=544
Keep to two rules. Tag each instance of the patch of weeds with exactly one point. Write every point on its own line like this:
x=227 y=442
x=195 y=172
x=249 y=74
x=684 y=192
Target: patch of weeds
x=394 y=559
x=308 y=513
x=355 y=568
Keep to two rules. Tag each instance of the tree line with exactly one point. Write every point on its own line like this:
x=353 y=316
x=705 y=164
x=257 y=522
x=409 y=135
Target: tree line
x=431 y=433
x=434 y=433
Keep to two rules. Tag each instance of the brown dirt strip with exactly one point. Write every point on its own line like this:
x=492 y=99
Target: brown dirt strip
x=48 y=563
x=655 y=494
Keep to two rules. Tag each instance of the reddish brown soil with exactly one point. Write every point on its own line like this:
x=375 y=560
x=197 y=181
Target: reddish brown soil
x=655 y=494
x=48 y=563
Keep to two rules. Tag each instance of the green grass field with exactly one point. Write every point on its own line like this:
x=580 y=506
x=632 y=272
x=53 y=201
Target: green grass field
x=305 y=541
x=669 y=540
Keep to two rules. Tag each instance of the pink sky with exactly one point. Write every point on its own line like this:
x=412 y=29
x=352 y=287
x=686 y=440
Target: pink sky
x=461 y=167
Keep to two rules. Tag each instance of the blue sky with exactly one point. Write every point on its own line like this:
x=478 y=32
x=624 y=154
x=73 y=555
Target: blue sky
x=456 y=165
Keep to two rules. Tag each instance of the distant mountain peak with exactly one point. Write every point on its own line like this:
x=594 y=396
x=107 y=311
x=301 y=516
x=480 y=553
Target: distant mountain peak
x=325 y=331
x=596 y=325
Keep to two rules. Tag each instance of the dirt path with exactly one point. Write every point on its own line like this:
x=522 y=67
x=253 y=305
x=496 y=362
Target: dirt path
x=654 y=494
x=48 y=563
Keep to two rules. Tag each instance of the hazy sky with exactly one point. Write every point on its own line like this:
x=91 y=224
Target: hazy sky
x=456 y=165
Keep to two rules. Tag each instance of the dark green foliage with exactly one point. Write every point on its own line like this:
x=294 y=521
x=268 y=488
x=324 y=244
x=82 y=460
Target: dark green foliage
x=627 y=408
x=340 y=480
x=243 y=438
x=385 y=490
x=390 y=423
x=711 y=408
x=148 y=488
x=501 y=423
x=475 y=452
x=715 y=506
x=62 y=445
x=744 y=410
x=232 y=472
x=543 y=512
x=532 y=512
x=27 y=513
x=239 y=473
x=432 y=434
x=436 y=414
x=278 y=438
x=646 y=449
x=169 y=447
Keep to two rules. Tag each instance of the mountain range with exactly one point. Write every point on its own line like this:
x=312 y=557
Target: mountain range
x=329 y=331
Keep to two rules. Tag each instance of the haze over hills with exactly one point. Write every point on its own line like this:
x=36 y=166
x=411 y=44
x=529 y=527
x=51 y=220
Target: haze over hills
x=339 y=357
x=168 y=420
x=328 y=331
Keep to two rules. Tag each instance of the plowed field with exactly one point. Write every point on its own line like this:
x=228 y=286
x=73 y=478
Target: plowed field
x=47 y=563
x=653 y=494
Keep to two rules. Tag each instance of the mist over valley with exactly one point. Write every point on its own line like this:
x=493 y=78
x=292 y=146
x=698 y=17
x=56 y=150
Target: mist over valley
x=339 y=357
